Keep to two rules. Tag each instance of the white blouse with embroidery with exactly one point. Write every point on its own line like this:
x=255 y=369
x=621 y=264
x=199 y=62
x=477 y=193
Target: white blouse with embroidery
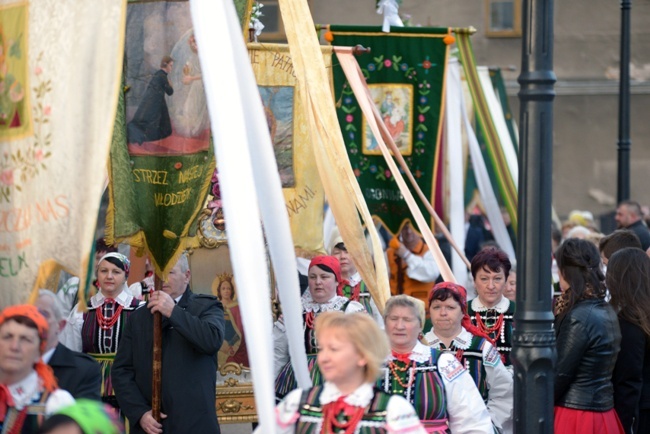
x=280 y=341
x=499 y=379
x=400 y=415
x=28 y=391
x=466 y=410
x=71 y=334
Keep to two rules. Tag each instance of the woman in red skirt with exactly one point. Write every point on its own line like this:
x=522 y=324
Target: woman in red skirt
x=588 y=342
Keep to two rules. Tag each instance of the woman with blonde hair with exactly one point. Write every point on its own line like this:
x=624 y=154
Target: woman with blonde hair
x=434 y=382
x=352 y=349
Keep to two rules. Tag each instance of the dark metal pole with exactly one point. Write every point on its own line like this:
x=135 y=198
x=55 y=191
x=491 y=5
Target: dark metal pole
x=533 y=351
x=624 y=142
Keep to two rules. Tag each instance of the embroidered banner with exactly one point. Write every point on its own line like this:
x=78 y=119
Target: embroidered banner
x=405 y=74
x=161 y=160
x=286 y=117
x=60 y=65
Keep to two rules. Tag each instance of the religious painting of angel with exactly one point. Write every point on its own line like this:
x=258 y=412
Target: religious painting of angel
x=233 y=349
x=278 y=107
x=166 y=108
x=395 y=104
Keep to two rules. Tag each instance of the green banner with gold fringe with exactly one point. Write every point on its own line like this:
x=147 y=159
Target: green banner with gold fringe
x=161 y=159
x=405 y=73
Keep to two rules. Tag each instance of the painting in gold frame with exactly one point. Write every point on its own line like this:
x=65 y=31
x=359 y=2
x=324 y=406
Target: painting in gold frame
x=395 y=104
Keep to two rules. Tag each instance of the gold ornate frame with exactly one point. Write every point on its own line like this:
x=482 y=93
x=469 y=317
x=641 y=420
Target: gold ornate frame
x=235 y=399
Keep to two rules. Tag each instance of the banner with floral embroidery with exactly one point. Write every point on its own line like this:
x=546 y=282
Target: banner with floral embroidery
x=60 y=63
x=405 y=72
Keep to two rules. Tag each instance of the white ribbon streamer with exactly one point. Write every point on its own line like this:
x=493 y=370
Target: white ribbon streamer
x=240 y=133
x=482 y=178
x=454 y=169
x=496 y=111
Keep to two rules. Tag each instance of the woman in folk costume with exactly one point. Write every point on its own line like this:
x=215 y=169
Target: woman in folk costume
x=97 y=331
x=28 y=389
x=491 y=312
x=352 y=349
x=453 y=332
x=442 y=392
x=324 y=279
x=353 y=287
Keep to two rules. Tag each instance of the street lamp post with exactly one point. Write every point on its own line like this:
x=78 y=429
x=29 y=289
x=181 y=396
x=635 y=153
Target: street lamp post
x=624 y=142
x=534 y=340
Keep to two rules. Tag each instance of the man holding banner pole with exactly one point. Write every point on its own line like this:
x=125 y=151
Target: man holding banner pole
x=192 y=333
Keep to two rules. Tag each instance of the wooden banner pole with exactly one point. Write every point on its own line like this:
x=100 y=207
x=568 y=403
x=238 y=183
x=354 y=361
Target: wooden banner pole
x=156 y=380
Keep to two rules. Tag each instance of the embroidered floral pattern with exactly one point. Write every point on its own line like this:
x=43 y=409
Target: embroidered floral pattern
x=347 y=104
x=22 y=165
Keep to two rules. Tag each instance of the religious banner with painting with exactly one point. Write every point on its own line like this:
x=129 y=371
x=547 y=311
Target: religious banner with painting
x=162 y=160
x=405 y=73
x=285 y=114
x=57 y=107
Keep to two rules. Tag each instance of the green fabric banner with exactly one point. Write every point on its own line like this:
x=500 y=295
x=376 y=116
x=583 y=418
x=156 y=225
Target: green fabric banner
x=161 y=159
x=405 y=72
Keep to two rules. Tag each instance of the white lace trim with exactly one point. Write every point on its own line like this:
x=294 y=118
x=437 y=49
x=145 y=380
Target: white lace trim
x=462 y=341
x=25 y=391
x=361 y=397
x=501 y=307
x=309 y=305
x=124 y=299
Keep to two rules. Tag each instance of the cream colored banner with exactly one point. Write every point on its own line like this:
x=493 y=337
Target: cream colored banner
x=289 y=127
x=60 y=69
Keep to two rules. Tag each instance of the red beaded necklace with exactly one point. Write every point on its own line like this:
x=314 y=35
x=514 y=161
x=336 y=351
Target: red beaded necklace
x=108 y=323
x=333 y=409
x=489 y=330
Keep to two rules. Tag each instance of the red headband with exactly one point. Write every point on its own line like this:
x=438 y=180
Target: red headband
x=455 y=288
x=330 y=262
x=29 y=311
x=462 y=293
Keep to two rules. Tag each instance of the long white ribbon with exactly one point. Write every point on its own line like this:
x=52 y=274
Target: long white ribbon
x=247 y=167
x=454 y=169
x=482 y=178
x=496 y=111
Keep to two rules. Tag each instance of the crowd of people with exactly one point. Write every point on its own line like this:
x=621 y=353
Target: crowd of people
x=433 y=361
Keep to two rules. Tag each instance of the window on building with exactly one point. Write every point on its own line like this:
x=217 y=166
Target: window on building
x=272 y=20
x=503 y=18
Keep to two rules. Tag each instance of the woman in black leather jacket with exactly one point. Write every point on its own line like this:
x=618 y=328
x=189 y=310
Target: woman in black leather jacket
x=588 y=341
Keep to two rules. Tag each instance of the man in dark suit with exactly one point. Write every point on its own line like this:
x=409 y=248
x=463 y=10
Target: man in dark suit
x=192 y=333
x=629 y=216
x=75 y=372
